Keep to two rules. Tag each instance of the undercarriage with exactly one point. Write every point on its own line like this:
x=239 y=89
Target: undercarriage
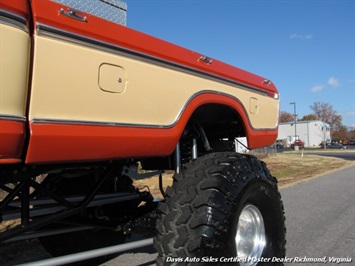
x=41 y=201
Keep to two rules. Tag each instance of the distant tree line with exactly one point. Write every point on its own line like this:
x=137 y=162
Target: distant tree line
x=326 y=113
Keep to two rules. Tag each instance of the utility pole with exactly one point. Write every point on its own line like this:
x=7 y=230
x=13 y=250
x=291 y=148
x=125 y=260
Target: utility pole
x=295 y=117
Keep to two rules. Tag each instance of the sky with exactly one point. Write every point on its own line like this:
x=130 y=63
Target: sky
x=306 y=47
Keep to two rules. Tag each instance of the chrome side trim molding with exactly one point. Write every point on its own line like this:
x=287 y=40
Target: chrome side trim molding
x=109 y=124
x=51 y=32
x=13 y=20
x=13 y=118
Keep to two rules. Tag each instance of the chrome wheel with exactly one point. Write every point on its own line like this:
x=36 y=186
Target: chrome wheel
x=250 y=237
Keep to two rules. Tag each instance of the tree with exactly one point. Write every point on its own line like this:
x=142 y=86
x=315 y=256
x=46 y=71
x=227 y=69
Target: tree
x=351 y=135
x=309 y=117
x=326 y=113
x=286 y=117
x=340 y=133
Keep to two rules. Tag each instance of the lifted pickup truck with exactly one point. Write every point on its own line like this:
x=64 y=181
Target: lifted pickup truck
x=84 y=100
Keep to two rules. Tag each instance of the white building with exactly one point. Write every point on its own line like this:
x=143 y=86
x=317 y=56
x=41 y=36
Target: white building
x=312 y=133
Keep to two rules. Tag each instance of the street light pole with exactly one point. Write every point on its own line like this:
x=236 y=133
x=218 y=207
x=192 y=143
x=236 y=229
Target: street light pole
x=294 y=114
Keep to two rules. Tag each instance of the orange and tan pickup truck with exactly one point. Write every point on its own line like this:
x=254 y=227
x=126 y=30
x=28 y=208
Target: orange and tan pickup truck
x=85 y=100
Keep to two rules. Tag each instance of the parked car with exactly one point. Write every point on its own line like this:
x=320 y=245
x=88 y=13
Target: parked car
x=298 y=143
x=279 y=144
x=333 y=145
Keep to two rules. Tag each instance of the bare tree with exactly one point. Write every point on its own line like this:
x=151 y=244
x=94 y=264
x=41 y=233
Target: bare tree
x=309 y=117
x=326 y=113
x=286 y=117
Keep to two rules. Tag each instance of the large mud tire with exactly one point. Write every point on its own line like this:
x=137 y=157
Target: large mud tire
x=203 y=212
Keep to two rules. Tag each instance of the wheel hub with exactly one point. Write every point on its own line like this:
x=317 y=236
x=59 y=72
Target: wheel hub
x=250 y=237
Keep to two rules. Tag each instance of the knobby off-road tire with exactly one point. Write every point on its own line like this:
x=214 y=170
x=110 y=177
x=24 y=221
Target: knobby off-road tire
x=222 y=205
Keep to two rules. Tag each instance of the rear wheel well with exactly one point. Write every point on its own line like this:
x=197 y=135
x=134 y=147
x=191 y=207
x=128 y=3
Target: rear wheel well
x=211 y=128
x=218 y=121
